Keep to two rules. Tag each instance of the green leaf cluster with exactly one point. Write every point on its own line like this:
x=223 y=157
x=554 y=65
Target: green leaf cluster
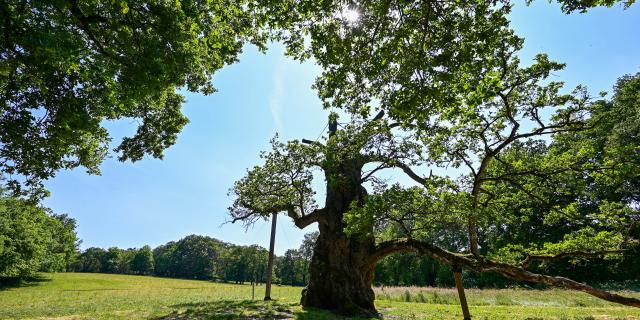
x=34 y=239
x=68 y=66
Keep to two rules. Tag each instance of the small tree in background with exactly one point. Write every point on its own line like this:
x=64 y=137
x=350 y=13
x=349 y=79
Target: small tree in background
x=63 y=245
x=163 y=259
x=194 y=257
x=142 y=262
x=306 y=252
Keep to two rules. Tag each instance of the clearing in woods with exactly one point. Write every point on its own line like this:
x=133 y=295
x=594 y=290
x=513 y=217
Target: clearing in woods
x=110 y=296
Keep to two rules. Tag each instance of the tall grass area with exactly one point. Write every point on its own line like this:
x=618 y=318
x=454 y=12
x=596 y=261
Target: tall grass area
x=432 y=303
x=109 y=296
x=495 y=297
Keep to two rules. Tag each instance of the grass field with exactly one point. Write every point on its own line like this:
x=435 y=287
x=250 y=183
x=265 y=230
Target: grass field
x=104 y=296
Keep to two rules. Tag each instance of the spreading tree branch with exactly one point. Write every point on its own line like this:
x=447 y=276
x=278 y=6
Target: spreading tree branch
x=409 y=172
x=483 y=265
x=302 y=221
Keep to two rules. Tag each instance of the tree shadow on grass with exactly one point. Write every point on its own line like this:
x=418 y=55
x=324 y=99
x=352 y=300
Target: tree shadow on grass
x=244 y=310
x=9 y=283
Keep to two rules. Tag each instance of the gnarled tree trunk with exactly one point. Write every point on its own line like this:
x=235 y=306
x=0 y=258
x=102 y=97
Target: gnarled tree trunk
x=341 y=269
x=340 y=275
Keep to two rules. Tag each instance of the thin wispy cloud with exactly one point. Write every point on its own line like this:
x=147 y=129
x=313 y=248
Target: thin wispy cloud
x=275 y=99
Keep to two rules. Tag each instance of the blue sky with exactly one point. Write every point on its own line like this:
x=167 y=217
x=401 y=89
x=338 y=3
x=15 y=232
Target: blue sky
x=155 y=201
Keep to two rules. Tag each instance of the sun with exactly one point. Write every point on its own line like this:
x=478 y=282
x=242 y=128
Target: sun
x=350 y=15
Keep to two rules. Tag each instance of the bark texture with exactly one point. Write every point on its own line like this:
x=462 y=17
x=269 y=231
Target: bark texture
x=340 y=277
x=341 y=269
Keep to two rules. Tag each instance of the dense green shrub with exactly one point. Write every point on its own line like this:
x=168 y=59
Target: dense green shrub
x=32 y=238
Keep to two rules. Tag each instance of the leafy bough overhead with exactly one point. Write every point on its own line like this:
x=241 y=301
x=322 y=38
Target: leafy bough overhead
x=518 y=154
x=68 y=66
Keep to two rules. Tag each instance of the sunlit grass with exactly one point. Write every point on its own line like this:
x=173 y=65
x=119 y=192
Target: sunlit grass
x=104 y=296
x=442 y=303
x=121 y=296
x=496 y=297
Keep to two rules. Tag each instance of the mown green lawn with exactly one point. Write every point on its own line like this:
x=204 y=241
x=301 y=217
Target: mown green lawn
x=105 y=296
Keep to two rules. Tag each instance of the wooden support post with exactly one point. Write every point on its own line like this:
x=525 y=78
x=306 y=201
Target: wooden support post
x=457 y=275
x=267 y=291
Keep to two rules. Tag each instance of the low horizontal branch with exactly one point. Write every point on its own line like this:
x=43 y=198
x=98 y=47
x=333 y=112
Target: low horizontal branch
x=481 y=264
x=302 y=221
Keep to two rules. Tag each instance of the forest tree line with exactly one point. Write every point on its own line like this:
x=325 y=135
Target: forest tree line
x=206 y=258
x=33 y=239
x=200 y=257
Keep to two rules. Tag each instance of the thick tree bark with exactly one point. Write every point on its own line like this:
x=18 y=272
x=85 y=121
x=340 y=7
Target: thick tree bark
x=340 y=277
x=341 y=269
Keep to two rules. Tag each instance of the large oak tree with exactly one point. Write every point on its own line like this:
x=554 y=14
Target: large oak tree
x=519 y=167
x=444 y=71
x=493 y=134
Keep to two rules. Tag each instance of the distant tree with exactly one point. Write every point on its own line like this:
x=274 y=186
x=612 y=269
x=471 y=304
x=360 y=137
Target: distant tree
x=90 y=260
x=125 y=259
x=164 y=264
x=257 y=257
x=232 y=265
x=405 y=269
x=288 y=269
x=23 y=241
x=194 y=257
x=306 y=252
x=111 y=260
x=142 y=262
x=241 y=264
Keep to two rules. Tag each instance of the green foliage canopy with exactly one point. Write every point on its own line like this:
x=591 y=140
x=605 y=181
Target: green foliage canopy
x=34 y=239
x=569 y=6
x=68 y=66
x=507 y=144
x=142 y=262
